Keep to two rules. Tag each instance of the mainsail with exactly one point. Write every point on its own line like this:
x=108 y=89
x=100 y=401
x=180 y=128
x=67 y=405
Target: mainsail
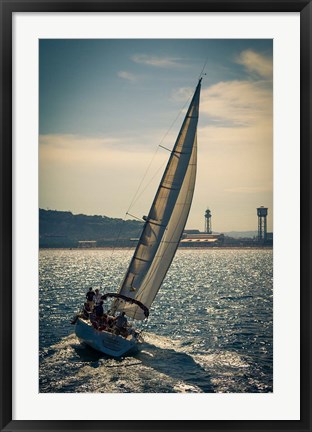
x=166 y=220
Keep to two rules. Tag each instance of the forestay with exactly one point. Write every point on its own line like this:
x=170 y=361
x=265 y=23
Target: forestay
x=166 y=220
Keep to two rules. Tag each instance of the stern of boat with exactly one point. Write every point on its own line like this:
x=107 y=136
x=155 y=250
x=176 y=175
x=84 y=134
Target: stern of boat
x=103 y=341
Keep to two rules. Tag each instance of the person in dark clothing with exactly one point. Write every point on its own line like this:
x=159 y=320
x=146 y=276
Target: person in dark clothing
x=99 y=311
x=90 y=296
x=86 y=310
x=97 y=296
x=121 y=324
x=121 y=321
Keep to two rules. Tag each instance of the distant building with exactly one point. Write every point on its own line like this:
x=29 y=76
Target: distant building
x=87 y=244
x=193 y=238
x=191 y=231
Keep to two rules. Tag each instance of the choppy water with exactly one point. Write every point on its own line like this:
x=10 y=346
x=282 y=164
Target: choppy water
x=210 y=327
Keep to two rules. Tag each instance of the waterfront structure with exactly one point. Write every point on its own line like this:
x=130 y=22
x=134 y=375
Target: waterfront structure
x=208 y=229
x=200 y=239
x=87 y=244
x=262 y=213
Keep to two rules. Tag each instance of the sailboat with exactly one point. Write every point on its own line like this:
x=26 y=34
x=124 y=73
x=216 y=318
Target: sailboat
x=157 y=245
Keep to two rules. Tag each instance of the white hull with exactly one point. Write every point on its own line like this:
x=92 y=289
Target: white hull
x=105 y=342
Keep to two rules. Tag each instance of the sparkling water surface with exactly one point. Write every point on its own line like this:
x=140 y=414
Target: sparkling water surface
x=210 y=327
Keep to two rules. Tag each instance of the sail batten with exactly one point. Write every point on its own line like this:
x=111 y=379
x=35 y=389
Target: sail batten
x=166 y=220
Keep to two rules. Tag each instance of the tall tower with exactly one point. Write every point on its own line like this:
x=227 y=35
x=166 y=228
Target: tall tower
x=208 y=221
x=262 y=213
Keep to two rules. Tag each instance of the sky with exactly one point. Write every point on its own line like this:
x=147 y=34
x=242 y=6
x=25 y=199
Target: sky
x=105 y=107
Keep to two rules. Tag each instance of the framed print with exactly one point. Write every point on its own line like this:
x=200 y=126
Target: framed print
x=196 y=315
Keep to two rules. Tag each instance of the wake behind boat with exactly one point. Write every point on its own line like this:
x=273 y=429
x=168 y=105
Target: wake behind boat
x=155 y=250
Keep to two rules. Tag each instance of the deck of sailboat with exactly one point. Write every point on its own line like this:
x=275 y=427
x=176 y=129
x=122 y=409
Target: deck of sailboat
x=105 y=341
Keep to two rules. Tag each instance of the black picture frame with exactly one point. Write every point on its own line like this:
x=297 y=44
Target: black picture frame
x=7 y=9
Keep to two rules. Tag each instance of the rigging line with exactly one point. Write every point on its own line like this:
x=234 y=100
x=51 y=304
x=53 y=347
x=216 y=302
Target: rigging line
x=115 y=247
x=150 y=181
x=152 y=178
x=135 y=217
x=137 y=195
x=202 y=71
x=166 y=247
x=151 y=273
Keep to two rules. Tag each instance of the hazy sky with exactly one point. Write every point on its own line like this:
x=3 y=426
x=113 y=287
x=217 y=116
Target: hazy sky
x=106 y=105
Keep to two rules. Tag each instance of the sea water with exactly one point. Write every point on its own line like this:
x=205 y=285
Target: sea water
x=210 y=327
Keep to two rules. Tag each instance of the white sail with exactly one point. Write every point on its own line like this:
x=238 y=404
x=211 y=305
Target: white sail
x=166 y=220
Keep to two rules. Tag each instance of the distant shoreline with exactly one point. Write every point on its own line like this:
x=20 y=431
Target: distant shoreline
x=179 y=248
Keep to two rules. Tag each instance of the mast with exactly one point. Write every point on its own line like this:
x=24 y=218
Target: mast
x=166 y=219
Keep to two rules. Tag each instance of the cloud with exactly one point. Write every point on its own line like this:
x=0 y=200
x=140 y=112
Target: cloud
x=183 y=94
x=238 y=103
x=257 y=63
x=161 y=62
x=235 y=153
x=127 y=75
x=96 y=175
x=75 y=143
x=248 y=190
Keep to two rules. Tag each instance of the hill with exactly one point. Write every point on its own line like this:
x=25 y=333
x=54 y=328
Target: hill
x=64 y=229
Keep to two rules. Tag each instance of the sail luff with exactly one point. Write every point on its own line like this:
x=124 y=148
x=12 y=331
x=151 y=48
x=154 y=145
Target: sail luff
x=146 y=256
